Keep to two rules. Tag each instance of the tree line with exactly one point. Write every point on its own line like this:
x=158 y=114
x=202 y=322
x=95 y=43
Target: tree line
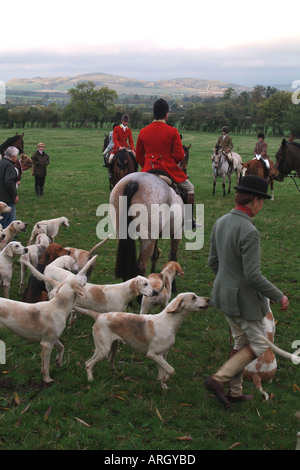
x=263 y=109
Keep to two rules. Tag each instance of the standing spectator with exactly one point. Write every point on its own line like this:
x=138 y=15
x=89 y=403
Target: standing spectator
x=8 y=184
x=240 y=290
x=40 y=161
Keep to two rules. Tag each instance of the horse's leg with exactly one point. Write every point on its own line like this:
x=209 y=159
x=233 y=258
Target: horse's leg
x=214 y=186
x=155 y=257
x=271 y=182
x=173 y=257
x=146 y=251
x=229 y=182
x=223 y=184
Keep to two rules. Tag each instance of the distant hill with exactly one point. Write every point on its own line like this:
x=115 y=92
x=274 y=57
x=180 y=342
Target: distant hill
x=123 y=85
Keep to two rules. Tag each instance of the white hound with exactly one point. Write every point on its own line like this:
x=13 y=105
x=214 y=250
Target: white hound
x=107 y=297
x=161 y=282
x=6 y=261
x=33 y=255
x=49 y=227
x=12 y=230
x=44 y=322
x=152 y=335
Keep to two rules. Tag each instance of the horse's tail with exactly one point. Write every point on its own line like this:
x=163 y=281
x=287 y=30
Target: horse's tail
x=126 y=263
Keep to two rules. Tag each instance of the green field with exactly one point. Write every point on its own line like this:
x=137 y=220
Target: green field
x=128 y=410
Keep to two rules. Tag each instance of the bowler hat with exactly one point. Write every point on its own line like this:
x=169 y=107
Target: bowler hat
x=125 y=118
x=254 y=185
x=160 y=108
x=225 y=129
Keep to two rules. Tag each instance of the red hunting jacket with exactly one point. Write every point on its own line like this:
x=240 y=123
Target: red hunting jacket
x=120 y=138
x=159 y=147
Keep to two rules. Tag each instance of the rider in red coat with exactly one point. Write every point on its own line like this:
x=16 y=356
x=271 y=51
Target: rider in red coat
x=159 y=147
x=122 y=137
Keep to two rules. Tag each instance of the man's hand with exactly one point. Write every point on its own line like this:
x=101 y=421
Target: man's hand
x=284 y=303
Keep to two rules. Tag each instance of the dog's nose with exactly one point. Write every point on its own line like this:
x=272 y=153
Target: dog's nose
x=26 y=250
x=154 y=292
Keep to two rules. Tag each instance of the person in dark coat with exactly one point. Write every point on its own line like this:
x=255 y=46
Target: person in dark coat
x=8 y=184
x=40 y=161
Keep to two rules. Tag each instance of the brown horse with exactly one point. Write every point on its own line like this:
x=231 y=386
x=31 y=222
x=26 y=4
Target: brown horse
x=184 y=163
x=288 y=159
x=258 y=168
x=15 y=141
x=123 y=164
x=134 y=201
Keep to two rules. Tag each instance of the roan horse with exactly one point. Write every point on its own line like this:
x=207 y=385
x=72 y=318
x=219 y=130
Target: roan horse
x=288 y=159
x=148 y=192
x=221 y=167
x=258 y=168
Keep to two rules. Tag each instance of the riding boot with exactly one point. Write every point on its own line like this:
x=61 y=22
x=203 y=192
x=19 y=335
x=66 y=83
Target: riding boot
x=189 y=199
x=41 y=190
x=38 y=190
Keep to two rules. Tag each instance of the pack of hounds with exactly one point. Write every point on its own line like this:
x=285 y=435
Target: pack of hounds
x=58 y=287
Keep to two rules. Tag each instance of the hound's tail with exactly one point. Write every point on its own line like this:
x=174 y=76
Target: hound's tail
x=126 y=264
x=291 y=356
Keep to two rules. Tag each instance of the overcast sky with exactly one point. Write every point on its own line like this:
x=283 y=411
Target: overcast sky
x=251 y=43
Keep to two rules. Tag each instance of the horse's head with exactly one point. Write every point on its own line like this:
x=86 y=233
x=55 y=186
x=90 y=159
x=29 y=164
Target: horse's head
x=183 y=164
x=19 y=143
x=281 y=165
x=123 y=164
x=216 y=157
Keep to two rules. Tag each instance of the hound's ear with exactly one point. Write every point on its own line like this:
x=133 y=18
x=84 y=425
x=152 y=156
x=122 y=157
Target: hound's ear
x=134 y=287
x=176 y=305
x=9 y=250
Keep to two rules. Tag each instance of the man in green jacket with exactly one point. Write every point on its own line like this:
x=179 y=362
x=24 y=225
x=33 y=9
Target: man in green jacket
x=240 y=290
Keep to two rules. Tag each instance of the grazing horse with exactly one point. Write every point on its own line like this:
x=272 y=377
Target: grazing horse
x=123 y=163
x=258 y=168
x=288 y=159
x=15 y=141
x=184 y=163
x=149 y=193
x=221 y=167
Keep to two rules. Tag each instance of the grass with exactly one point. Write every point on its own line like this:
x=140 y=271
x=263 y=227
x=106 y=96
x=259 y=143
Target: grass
x=127 y=410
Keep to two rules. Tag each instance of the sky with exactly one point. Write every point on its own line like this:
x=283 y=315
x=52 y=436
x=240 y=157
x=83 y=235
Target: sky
x=245 y=43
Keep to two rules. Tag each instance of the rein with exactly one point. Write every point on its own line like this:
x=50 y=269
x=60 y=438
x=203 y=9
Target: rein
x=293 y=176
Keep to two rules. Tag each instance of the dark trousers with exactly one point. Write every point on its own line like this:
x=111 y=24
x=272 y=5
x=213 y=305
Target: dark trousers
x=39 y=185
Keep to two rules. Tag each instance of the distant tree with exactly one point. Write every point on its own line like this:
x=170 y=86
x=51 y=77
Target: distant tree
x=88 y=104
x=273 y=111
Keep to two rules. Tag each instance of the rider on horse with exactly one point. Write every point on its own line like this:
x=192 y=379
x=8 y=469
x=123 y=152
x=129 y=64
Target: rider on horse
x=224 y=142
x=159 y=147
x=261 y=152
x=122 y=138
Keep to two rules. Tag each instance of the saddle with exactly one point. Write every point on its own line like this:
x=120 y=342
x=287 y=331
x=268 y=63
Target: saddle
x=167 y=179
